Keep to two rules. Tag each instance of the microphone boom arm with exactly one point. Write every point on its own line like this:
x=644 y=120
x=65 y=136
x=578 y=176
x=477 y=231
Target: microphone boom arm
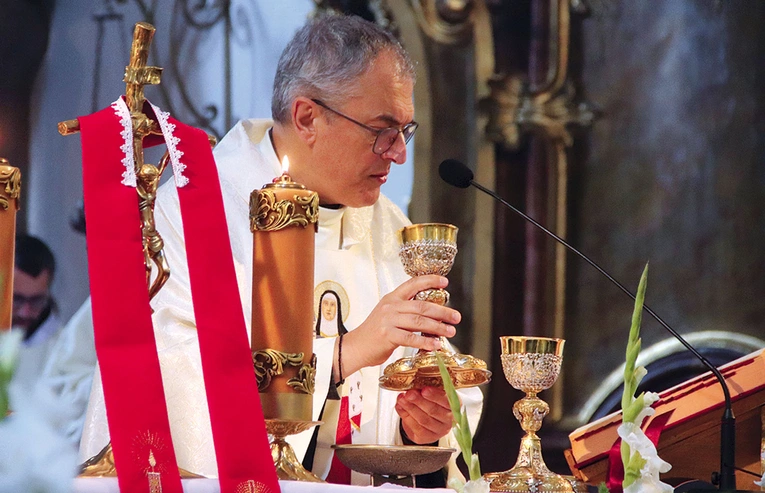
x=726 y=478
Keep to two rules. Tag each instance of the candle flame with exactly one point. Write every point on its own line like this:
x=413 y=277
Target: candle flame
x=285 y=165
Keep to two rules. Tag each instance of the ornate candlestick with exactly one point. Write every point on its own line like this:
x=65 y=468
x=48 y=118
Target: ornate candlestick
x=531 y=364
x=283 y=220
x=10 y=188
x=430 y=248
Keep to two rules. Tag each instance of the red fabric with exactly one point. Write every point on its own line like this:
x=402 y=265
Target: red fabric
x=615 y=465
x=239 y=433
x=124 y=337
x=338 y=472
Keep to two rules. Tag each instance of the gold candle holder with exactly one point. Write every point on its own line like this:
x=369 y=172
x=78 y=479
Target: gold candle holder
x=283 y=220
x=531 y=364
x=430 y=248
x=10 y=189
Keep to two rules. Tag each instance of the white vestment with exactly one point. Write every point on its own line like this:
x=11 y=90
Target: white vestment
x=35 y=351
x=69 y=369
x=246 y=160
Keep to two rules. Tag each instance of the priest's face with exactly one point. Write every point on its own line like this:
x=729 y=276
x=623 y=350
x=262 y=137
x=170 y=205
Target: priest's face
x=347 y=169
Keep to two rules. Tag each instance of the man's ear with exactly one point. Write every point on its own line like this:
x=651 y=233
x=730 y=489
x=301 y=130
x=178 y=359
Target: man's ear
x=304 y=115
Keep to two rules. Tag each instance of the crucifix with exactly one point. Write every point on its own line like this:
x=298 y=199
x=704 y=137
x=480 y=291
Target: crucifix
x=137 y=75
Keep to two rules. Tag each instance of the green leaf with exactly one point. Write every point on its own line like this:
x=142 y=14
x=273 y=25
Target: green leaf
x=460 y=422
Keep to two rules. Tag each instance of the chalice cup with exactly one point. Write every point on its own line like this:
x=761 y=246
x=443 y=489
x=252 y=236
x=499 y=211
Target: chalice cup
x=531 y=365
x=430 y=248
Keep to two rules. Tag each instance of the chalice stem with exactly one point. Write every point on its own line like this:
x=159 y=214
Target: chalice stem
x=530 y=455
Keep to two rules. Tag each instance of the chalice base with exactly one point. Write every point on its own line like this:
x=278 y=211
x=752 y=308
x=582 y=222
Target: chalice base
x=288 y=467
x=421 y=370
x=525 y=479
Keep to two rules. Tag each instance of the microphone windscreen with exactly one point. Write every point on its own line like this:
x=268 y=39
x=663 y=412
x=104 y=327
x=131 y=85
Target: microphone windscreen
x=455 y=173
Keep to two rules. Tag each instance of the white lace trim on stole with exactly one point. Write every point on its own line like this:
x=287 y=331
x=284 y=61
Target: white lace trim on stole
x=171 y=141
x=122 y=111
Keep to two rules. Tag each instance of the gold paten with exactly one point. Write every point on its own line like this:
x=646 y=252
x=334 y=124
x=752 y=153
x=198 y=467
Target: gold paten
x=10 y=176
x=393 y=463
x=288 y=467
x=531 y=364
x=267 y=213
x=430 y=248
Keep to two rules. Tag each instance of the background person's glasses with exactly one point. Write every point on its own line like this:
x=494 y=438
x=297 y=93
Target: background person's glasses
x=386 y=137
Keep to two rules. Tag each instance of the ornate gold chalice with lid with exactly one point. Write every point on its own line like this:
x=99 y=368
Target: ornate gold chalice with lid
x=531 y=365
x=430 y=248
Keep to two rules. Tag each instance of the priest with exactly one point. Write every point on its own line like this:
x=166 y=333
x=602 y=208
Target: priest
x=342 y=111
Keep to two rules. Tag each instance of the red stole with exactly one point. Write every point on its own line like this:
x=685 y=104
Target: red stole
x=125 y=345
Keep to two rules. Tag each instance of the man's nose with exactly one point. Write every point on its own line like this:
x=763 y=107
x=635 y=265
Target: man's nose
x=23 y=310
x=397 y=152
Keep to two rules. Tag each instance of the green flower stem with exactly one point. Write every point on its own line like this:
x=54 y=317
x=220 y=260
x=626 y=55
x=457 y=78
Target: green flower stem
x=461 y=426
x=631 y=406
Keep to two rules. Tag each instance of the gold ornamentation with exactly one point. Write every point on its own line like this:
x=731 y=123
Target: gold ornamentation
x=430 y=248
x=155 y=478
x=270 y=363
x=421 y=371
x=514 y=110
x=306 y=380
x=11 y=177
x=272 y=214
x=531 y=364
x=288 y=467
x=446 y=21
x=252 y=486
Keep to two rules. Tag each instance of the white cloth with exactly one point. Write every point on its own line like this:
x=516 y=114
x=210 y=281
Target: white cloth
x=110 y=485
x=69 y=369
x=34 y=352
x=246 y=161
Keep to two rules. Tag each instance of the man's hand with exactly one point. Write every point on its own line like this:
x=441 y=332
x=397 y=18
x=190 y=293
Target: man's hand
x=425 y=414
x=395 y=322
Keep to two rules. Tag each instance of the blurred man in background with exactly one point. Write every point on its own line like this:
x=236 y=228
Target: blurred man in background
x=34 y=310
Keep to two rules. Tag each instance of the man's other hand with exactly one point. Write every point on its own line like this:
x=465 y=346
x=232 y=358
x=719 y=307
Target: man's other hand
x=425 y=414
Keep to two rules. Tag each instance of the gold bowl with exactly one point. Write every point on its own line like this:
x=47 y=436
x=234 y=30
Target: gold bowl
x=393 y=460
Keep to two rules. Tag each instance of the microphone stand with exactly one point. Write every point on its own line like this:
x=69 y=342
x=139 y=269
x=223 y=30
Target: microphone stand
x=726 y=478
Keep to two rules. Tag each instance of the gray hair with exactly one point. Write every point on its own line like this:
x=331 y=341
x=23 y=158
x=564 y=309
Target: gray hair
x=326 y=56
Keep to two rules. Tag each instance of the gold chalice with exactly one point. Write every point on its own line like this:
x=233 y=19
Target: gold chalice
x=430 y=248
x=531 y=364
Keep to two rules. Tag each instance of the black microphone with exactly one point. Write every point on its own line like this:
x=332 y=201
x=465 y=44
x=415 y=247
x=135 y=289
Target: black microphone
x=457 y=174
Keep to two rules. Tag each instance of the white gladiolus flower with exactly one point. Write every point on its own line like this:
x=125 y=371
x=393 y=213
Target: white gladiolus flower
x=640 y=444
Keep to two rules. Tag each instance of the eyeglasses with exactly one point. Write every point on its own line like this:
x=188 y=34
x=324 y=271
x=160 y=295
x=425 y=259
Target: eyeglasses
x=386 y=137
